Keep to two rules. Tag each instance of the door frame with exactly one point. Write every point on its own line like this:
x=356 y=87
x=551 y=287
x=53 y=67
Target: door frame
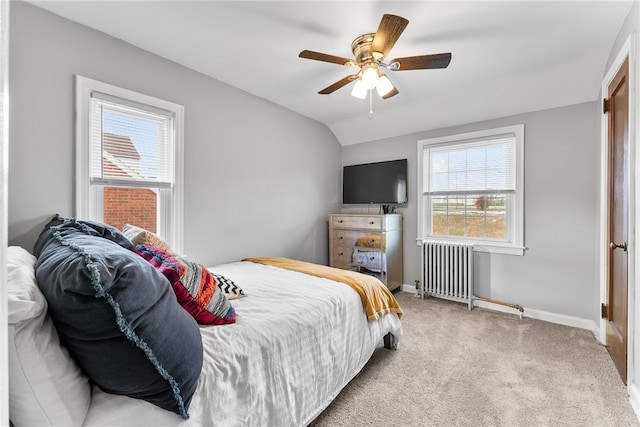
x=633 y=306
x=4 y=206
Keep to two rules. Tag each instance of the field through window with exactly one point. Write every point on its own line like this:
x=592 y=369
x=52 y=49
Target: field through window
x=478 y=215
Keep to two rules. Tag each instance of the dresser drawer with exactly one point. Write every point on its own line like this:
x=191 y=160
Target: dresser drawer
x=354 y=221
x=345 y=238
x=371 y=240
x=371 y=260
x=341 y=258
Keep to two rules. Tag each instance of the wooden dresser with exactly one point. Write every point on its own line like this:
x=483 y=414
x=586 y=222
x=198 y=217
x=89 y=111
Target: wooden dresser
x=371 y=244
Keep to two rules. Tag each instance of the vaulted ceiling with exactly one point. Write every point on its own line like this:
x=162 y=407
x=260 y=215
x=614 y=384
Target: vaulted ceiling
x=508 y=57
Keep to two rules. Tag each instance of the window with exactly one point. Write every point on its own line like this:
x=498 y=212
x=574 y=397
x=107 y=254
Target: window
x=471 y=189
x=129 y=159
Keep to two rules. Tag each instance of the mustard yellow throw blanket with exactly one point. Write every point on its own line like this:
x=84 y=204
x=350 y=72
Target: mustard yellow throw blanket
x=376 y=298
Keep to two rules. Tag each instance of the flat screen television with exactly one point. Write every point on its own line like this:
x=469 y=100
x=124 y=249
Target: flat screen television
x=380 y=182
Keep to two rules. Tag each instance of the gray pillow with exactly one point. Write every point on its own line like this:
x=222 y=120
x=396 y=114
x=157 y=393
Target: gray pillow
x=117 y=315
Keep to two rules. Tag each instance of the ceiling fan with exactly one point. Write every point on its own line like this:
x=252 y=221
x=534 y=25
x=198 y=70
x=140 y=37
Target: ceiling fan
x=370 y=51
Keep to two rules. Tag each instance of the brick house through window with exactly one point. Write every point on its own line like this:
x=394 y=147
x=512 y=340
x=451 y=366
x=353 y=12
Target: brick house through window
x=126 y=205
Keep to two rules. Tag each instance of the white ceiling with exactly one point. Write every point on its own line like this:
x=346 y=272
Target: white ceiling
x=508 y=57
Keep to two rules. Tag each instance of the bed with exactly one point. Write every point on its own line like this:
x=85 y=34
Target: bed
x=296 y=340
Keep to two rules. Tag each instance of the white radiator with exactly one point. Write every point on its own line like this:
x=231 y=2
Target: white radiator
x=447 y=270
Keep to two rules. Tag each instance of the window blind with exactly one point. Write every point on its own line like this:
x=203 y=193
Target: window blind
x=130 y=144
x=485 y=166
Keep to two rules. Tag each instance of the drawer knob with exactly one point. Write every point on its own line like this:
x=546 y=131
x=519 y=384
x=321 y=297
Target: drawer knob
x=340 y=238
x=339 y=221
x=371 y=222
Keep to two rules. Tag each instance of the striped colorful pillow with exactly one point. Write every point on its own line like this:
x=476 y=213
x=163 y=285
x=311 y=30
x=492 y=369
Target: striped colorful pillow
x=196 y=288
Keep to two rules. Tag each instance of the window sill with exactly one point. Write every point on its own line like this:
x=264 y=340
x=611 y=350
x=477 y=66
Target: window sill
x=493 y=248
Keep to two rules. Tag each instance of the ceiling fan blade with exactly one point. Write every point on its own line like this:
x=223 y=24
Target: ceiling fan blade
x=337 y=85
x=424 y=62
x=389 y=31
x=318 y=56
x=391 y=93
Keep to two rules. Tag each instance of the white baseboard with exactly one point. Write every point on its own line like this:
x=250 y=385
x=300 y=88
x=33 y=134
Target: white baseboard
x=634 y=398
x=408 y=288
x=496 y=307
x=561 y=319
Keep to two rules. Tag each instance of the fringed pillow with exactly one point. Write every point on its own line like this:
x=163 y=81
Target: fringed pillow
x=196 y=287
x=117 y=315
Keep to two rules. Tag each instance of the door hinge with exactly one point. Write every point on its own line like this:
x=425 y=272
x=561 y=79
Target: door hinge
x=604 y=311
x=605 y=106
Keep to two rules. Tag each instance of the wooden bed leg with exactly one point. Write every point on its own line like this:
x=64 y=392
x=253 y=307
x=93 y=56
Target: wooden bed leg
x=390 y=342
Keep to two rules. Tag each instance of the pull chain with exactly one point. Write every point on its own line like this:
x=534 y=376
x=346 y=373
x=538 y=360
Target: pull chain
x=370 y=104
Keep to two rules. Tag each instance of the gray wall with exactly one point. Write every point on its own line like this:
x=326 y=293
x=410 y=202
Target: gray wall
x=558 y=272
x=259 y=179
x=630 y=26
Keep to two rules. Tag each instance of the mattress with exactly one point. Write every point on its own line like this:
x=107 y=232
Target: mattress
x=297 y=341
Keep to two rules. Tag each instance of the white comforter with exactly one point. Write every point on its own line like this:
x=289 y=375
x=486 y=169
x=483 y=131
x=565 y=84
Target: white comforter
x=298 y=340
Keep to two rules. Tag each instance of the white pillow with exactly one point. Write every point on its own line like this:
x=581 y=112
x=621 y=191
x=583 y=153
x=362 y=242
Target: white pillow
x=46 y=386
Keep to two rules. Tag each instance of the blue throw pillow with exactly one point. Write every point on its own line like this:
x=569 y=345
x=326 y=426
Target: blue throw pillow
x=92 y=228
x=117 y=315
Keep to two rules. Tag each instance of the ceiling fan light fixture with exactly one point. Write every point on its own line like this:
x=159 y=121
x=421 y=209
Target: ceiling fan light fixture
x=384 y=85
x=359 y=90
x=370 y=76
x=369 y=51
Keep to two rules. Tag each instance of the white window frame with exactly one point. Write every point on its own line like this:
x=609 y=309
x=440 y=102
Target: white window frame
x=88 y=202
x=515 y=213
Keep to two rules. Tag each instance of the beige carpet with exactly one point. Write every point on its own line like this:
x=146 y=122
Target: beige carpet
x=457 y=367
